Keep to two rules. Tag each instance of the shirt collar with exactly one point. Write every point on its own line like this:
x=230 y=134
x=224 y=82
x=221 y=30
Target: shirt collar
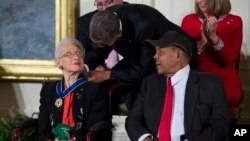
x=179 y=75
x=119 y=20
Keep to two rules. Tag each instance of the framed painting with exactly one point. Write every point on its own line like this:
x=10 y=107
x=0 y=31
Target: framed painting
x=29 y=31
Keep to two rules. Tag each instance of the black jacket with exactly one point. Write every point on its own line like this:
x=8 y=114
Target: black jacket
x=89 y=107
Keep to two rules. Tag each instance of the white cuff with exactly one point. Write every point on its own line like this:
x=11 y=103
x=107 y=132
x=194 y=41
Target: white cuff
x=86 y=67
x=144 y=136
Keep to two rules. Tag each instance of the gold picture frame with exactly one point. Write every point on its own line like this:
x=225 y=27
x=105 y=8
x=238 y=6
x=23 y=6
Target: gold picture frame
x=36 y=70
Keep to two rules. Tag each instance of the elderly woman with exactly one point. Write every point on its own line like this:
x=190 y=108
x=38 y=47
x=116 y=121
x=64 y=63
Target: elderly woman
x=70 y=106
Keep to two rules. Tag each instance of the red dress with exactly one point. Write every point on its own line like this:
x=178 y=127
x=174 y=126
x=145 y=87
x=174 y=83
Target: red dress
x=222 y=62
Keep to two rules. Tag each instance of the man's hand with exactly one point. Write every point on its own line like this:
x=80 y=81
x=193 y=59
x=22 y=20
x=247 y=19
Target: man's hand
x=101 y=68
x=98 y=76
x=147 y=139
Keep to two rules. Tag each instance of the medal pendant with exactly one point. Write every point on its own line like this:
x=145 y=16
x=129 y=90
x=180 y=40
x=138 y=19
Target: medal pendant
x=58 y=102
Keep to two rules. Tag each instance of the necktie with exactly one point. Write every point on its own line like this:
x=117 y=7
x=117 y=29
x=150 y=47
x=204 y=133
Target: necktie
x=112 y=59
x=165 y=122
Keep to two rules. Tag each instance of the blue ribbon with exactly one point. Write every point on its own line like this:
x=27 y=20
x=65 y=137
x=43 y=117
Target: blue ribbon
x=59 y=87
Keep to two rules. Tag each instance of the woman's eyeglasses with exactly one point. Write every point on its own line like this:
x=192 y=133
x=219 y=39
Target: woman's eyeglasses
x=72 y=54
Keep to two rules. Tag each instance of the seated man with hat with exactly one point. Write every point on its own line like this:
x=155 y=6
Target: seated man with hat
x=178 y=103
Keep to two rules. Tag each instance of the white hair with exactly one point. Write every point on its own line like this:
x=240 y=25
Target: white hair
x=67 y=41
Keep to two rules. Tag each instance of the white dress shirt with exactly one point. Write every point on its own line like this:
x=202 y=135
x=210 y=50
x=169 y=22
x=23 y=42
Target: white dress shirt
x=179 y=82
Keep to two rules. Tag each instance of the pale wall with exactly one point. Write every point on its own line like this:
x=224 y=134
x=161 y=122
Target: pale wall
x=24 y=97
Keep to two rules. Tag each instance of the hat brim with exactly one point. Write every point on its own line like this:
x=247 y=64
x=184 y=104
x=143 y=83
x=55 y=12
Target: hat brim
x=157 y=43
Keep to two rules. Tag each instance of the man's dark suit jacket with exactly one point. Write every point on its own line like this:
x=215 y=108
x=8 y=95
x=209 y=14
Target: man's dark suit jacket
x=88 y=109
x=206 y=115
x=139 y=23
x=82 y=31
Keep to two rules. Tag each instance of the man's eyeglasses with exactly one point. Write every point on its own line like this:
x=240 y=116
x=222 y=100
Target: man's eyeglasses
x=72 y=54
x=105 y=3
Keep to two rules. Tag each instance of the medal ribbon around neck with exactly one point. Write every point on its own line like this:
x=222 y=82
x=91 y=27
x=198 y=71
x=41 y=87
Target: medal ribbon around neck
x=59 y=88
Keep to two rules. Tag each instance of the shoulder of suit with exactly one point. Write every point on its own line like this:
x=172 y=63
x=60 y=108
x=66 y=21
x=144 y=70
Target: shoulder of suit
x=152 y=77
x=234 y=16
x=205 y=77
x=235 y=19
x=87 y=16
x=49 y=84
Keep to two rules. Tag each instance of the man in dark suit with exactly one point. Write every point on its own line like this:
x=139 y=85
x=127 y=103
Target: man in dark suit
x=199 y=109
x=125 y=28
x=82 y=34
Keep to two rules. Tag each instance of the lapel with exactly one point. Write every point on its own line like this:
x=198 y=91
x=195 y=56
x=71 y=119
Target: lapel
x=159 y=95
x=190 y=99
x=78 y=101
x=57 y=111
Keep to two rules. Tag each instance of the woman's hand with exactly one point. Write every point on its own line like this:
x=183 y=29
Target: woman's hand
x=202 y=43
x=209 y=29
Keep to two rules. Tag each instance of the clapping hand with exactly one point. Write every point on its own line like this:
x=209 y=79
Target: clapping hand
x=209 y=29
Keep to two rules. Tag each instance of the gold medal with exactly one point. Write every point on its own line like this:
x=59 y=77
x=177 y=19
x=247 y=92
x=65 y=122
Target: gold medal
x=58 y=102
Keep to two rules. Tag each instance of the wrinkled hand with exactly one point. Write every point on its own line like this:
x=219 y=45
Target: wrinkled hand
x=98 y=76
